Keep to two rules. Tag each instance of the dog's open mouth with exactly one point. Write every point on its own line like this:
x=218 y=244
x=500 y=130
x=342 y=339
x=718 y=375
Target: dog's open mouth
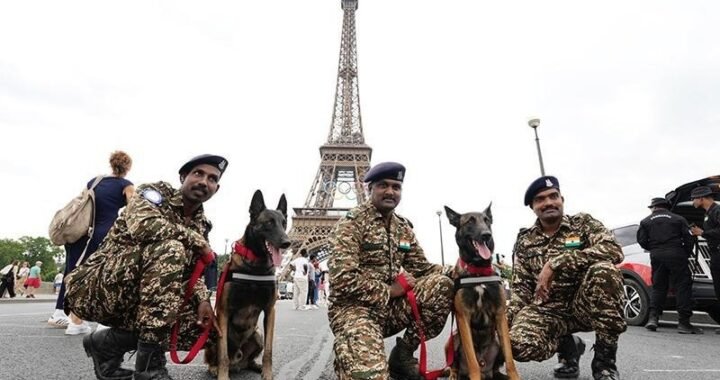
x=482 y=249
x=275 y=253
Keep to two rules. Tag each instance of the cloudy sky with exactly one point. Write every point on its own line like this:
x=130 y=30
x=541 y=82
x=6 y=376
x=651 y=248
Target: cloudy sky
x=627 y=92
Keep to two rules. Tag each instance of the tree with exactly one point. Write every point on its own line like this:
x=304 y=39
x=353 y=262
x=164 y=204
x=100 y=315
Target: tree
x=41 y=249
x=10 y=250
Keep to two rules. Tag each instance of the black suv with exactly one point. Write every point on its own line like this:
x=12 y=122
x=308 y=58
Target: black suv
x=636 y=266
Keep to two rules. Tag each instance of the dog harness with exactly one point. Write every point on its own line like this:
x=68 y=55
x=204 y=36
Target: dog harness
x=239 y=277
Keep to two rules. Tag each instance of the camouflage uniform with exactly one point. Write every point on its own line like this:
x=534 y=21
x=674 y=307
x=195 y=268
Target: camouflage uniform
x=137 y=279
x=365 y=257
x=586 y=292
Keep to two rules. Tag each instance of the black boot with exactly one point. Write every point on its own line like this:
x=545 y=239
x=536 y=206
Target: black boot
x=106 y=348
x=685 y=327
x=603 y=364
x=150 y=362
x=652 y=323
x=570 y=348
x=402 y=363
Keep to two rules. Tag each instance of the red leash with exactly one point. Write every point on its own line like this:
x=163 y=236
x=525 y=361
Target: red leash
x=200 y=265
x=428 y=375
x=238 y=249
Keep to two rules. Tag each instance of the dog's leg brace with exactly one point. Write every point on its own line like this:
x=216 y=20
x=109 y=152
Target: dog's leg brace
x=468 y=349
x=268 y=334
x=504 y=333
x=222 y=349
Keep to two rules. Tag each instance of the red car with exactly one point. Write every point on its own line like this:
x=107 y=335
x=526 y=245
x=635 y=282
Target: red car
x=636 y=266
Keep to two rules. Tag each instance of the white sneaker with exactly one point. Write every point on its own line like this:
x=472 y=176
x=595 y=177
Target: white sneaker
x=80 y=329
x=59 y=319
x=314 y=307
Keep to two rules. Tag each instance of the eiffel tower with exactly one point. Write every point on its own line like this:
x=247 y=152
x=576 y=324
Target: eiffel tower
x=345 y=158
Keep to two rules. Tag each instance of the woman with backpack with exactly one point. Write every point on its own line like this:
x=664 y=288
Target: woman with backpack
x=111 y=194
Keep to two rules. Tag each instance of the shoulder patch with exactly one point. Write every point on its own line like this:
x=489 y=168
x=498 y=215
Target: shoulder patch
x=153 y=196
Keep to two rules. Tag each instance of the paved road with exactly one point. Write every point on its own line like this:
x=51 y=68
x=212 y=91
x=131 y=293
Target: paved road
x=303 y=350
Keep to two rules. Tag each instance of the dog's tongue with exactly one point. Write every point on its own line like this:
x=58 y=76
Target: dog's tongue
x=482 y=250
x=275 y=254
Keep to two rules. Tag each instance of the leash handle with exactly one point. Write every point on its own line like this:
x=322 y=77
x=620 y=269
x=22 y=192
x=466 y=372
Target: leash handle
x=200 y=265
x=431 y=375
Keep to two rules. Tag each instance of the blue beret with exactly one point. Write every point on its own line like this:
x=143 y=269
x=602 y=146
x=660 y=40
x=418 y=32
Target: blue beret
x=701 y=191
x=385 y=170
x=540 y=184
x=209 y=159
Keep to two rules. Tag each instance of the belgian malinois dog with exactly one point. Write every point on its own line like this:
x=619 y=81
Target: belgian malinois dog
x=250 y=288
x=479 y=302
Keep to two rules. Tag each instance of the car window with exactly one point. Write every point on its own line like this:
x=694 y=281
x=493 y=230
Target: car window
x=626 y=235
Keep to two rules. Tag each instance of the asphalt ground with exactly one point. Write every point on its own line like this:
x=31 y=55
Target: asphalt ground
x=303 y=350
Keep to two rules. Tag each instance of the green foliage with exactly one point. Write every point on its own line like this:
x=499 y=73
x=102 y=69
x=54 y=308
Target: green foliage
x=10 y=250
x=32 y=249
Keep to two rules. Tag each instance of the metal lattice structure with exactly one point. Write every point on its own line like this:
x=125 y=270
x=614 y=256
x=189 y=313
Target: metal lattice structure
x=344 y=157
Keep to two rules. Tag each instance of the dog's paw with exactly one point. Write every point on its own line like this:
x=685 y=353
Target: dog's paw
x=266 y=376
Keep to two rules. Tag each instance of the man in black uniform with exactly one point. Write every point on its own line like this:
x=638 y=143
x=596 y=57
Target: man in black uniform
x=667 y=236
x=702 y=196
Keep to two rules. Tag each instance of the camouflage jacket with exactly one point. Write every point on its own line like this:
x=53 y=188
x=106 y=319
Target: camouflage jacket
x=147 y=220
x=580 y=242
x=365 y=257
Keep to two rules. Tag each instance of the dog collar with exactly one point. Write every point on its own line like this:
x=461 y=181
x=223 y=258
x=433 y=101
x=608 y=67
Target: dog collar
x=476 y=270
x=244 y=252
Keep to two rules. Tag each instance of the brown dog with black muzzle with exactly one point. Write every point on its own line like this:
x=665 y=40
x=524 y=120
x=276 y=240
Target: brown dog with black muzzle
x=250 y=288
x=479 y=303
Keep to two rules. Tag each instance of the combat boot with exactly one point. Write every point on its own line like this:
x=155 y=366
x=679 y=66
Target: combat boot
x=652 y=323
x=150 y=362
x=402 y=363
x=685 y=327
x=106 y=348
x=570 y=348
x=603 y=364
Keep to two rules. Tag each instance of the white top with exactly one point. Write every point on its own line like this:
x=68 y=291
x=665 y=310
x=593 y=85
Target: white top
x=299 y=266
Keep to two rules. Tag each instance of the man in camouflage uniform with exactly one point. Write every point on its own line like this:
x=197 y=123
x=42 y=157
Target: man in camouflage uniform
x=564 y=281
x=135 y=282
x=370 y=246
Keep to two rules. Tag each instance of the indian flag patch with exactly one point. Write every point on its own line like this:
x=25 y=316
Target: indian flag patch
x=572 y=241
x=404 y=245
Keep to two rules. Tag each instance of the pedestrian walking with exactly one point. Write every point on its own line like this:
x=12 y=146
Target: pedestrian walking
x=7 y=279
x=112 y=193
x=300 y=280
x=33 y=280
x=22 y=275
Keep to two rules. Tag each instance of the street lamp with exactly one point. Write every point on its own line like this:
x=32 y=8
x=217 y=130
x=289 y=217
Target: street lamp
x=534 y=123
x=226 y=245
x=442 y=249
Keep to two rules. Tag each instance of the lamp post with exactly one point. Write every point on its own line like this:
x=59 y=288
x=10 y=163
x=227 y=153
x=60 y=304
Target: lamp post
x=226 y=245
x=442 y=249
x=534 y=123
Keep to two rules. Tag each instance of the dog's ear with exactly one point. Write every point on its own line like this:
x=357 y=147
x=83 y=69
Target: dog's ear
x=488 y=212
x=257 y=205
x=282 y=206
x=452 y=216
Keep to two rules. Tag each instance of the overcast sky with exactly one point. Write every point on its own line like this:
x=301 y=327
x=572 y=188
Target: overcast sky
x=627 y=92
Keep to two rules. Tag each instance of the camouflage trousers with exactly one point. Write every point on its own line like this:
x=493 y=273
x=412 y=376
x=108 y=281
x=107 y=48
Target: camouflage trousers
x=597 y=306
x=137 y=290
x=359 y=330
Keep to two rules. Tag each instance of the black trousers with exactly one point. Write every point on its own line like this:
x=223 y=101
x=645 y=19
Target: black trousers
x=715 y=272
x=666 y=271
x=8 y=283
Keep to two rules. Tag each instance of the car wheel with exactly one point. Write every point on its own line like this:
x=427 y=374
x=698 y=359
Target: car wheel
x=636 y=307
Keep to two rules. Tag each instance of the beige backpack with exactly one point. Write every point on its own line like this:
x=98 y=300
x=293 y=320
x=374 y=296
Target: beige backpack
x=76 y=219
